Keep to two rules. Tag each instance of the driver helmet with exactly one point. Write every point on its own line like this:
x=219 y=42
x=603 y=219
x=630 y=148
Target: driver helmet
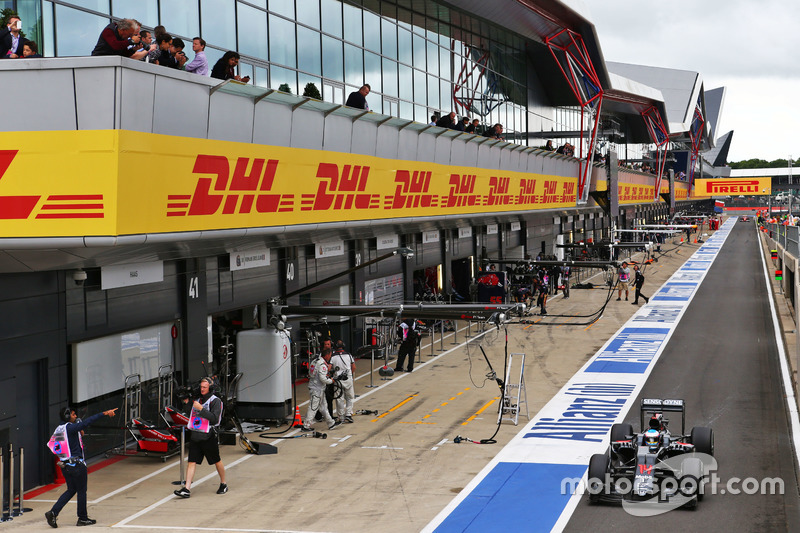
x=657 y=421
x=651 y=438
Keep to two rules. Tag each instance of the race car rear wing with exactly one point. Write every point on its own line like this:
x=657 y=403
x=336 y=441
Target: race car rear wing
x=650 y=406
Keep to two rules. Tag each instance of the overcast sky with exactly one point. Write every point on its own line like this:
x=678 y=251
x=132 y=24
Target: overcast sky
x=751 y=47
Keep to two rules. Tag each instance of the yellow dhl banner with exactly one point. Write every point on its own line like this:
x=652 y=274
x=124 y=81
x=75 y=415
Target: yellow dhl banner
x=733 y=187
x=637 y=193
x=114 y=182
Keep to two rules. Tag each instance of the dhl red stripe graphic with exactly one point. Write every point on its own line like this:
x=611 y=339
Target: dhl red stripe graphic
x=14 y=207
x=62 y=206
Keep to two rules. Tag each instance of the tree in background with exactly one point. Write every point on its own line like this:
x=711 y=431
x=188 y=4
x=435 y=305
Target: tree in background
x=311 y=91
x=284 y=88
x=761 y=163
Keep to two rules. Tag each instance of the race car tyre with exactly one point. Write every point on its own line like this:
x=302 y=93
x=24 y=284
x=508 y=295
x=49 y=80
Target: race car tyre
x=598 y=468
x=621 y=432
x=703 y=440
x=691 y=482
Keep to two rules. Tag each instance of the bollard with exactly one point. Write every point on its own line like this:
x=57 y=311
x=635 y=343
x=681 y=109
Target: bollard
x=10 y=495
x=469 y=329
x=182 y=480
x=455 y=332
x=3 y=517
x=441 y=336
x=371 y=368
x=432 y=331
x=21 y=475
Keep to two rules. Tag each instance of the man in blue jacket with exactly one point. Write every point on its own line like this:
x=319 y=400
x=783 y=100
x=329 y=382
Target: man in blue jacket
x=67 y=444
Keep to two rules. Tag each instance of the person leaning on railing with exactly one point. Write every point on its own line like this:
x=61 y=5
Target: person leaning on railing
x=120 y=39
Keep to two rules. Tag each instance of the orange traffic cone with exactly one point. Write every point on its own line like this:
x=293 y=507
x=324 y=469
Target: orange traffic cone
x=298 y=421
x=681 y=239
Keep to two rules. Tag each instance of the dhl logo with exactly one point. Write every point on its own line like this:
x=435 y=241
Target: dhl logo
x=411 y=191
x=55 y=206
x=731 y=186
x=462 y=191
x=251 y=186
x=340 y=191
x=498 y=191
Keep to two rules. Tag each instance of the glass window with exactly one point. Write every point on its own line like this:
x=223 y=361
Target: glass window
x=309 y=14
x=374 y=101
x=213 y=55
x=404 y=18
x=421 y=114
x=77 y=31
x=252 y=32
x=278 y=76
x=389 y=77
x=332 y=17
x=418 y=22
x=309 y=55
x=353 y=65
x=219 y=22
x=372 y=71
x=372 y=31
x=305 y=79
x=406 y=110
x=181 y=17
x=433 y=92
x=447 y=94
x=332 y=58
x=420 y=93
x=419 y=52
x=283 y=7
x=94 y=5
x=258 y=3
x=433 y=59
x=48 y=47
x=404 y=53
x=352 y=24
x=389 y=39
x=445 y=69
x=145 y=11
x=245 y=69
x=261 y=77
x=406 y=81
x=281 y=41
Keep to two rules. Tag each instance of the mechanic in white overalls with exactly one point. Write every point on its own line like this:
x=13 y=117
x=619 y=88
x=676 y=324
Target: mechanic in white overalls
x=318 y=378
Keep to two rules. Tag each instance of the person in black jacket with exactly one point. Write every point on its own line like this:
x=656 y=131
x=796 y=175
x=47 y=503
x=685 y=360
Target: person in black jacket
x=638 y=281
x=67 y=444
x=11 y=40
x=358 y=99
x=225 y=67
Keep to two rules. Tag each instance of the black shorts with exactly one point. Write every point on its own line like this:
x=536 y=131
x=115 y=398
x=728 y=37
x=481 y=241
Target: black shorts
x=208 y=448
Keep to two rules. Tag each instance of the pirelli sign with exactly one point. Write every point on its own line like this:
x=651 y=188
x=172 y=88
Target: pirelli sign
x=733 y=187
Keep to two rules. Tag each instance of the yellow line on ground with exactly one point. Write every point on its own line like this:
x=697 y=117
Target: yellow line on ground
x=396 y=406
x=419 y=422
x=481 y=410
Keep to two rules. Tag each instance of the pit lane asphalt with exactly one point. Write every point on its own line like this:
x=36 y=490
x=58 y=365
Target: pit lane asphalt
x=723 y=361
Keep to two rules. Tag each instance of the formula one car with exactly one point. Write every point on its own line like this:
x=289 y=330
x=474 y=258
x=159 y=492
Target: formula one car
x=744 y=218
x=653 y=465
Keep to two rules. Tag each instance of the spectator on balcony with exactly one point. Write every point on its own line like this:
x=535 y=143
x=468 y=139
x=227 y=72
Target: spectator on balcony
x=495 y=132
x=177 y=54
x=550 y=147
x=30 y=50
x=447 y=121
x=11 y=39
x=566 y=149
x=358 y=99
x=145 y=41
x=473 y=127
x=160 y=54
x=462 y=124
x=225 y=68
x=120 y=39
x=198 y=65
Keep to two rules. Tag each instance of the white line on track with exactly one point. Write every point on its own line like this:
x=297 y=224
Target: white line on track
x=788 y=389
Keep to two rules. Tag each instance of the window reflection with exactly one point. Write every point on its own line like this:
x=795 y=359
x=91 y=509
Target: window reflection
x=372 y=71
x=309 y=14
x=352 y=24
x=278 y=76
x=353 y=65
x=372 y=31
x=145 y=11
x=389 y=77
x=77 y=31
x=222 y=32
x=406 y=82
x=283 y=7
x=420 y=91
x=95 y=5
x=309 y=56
x=332 y=58
x=252 y=32
x=282 y=41
x=181 y=17
x=404 y=53
x=332 y=17
x=388 y=39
